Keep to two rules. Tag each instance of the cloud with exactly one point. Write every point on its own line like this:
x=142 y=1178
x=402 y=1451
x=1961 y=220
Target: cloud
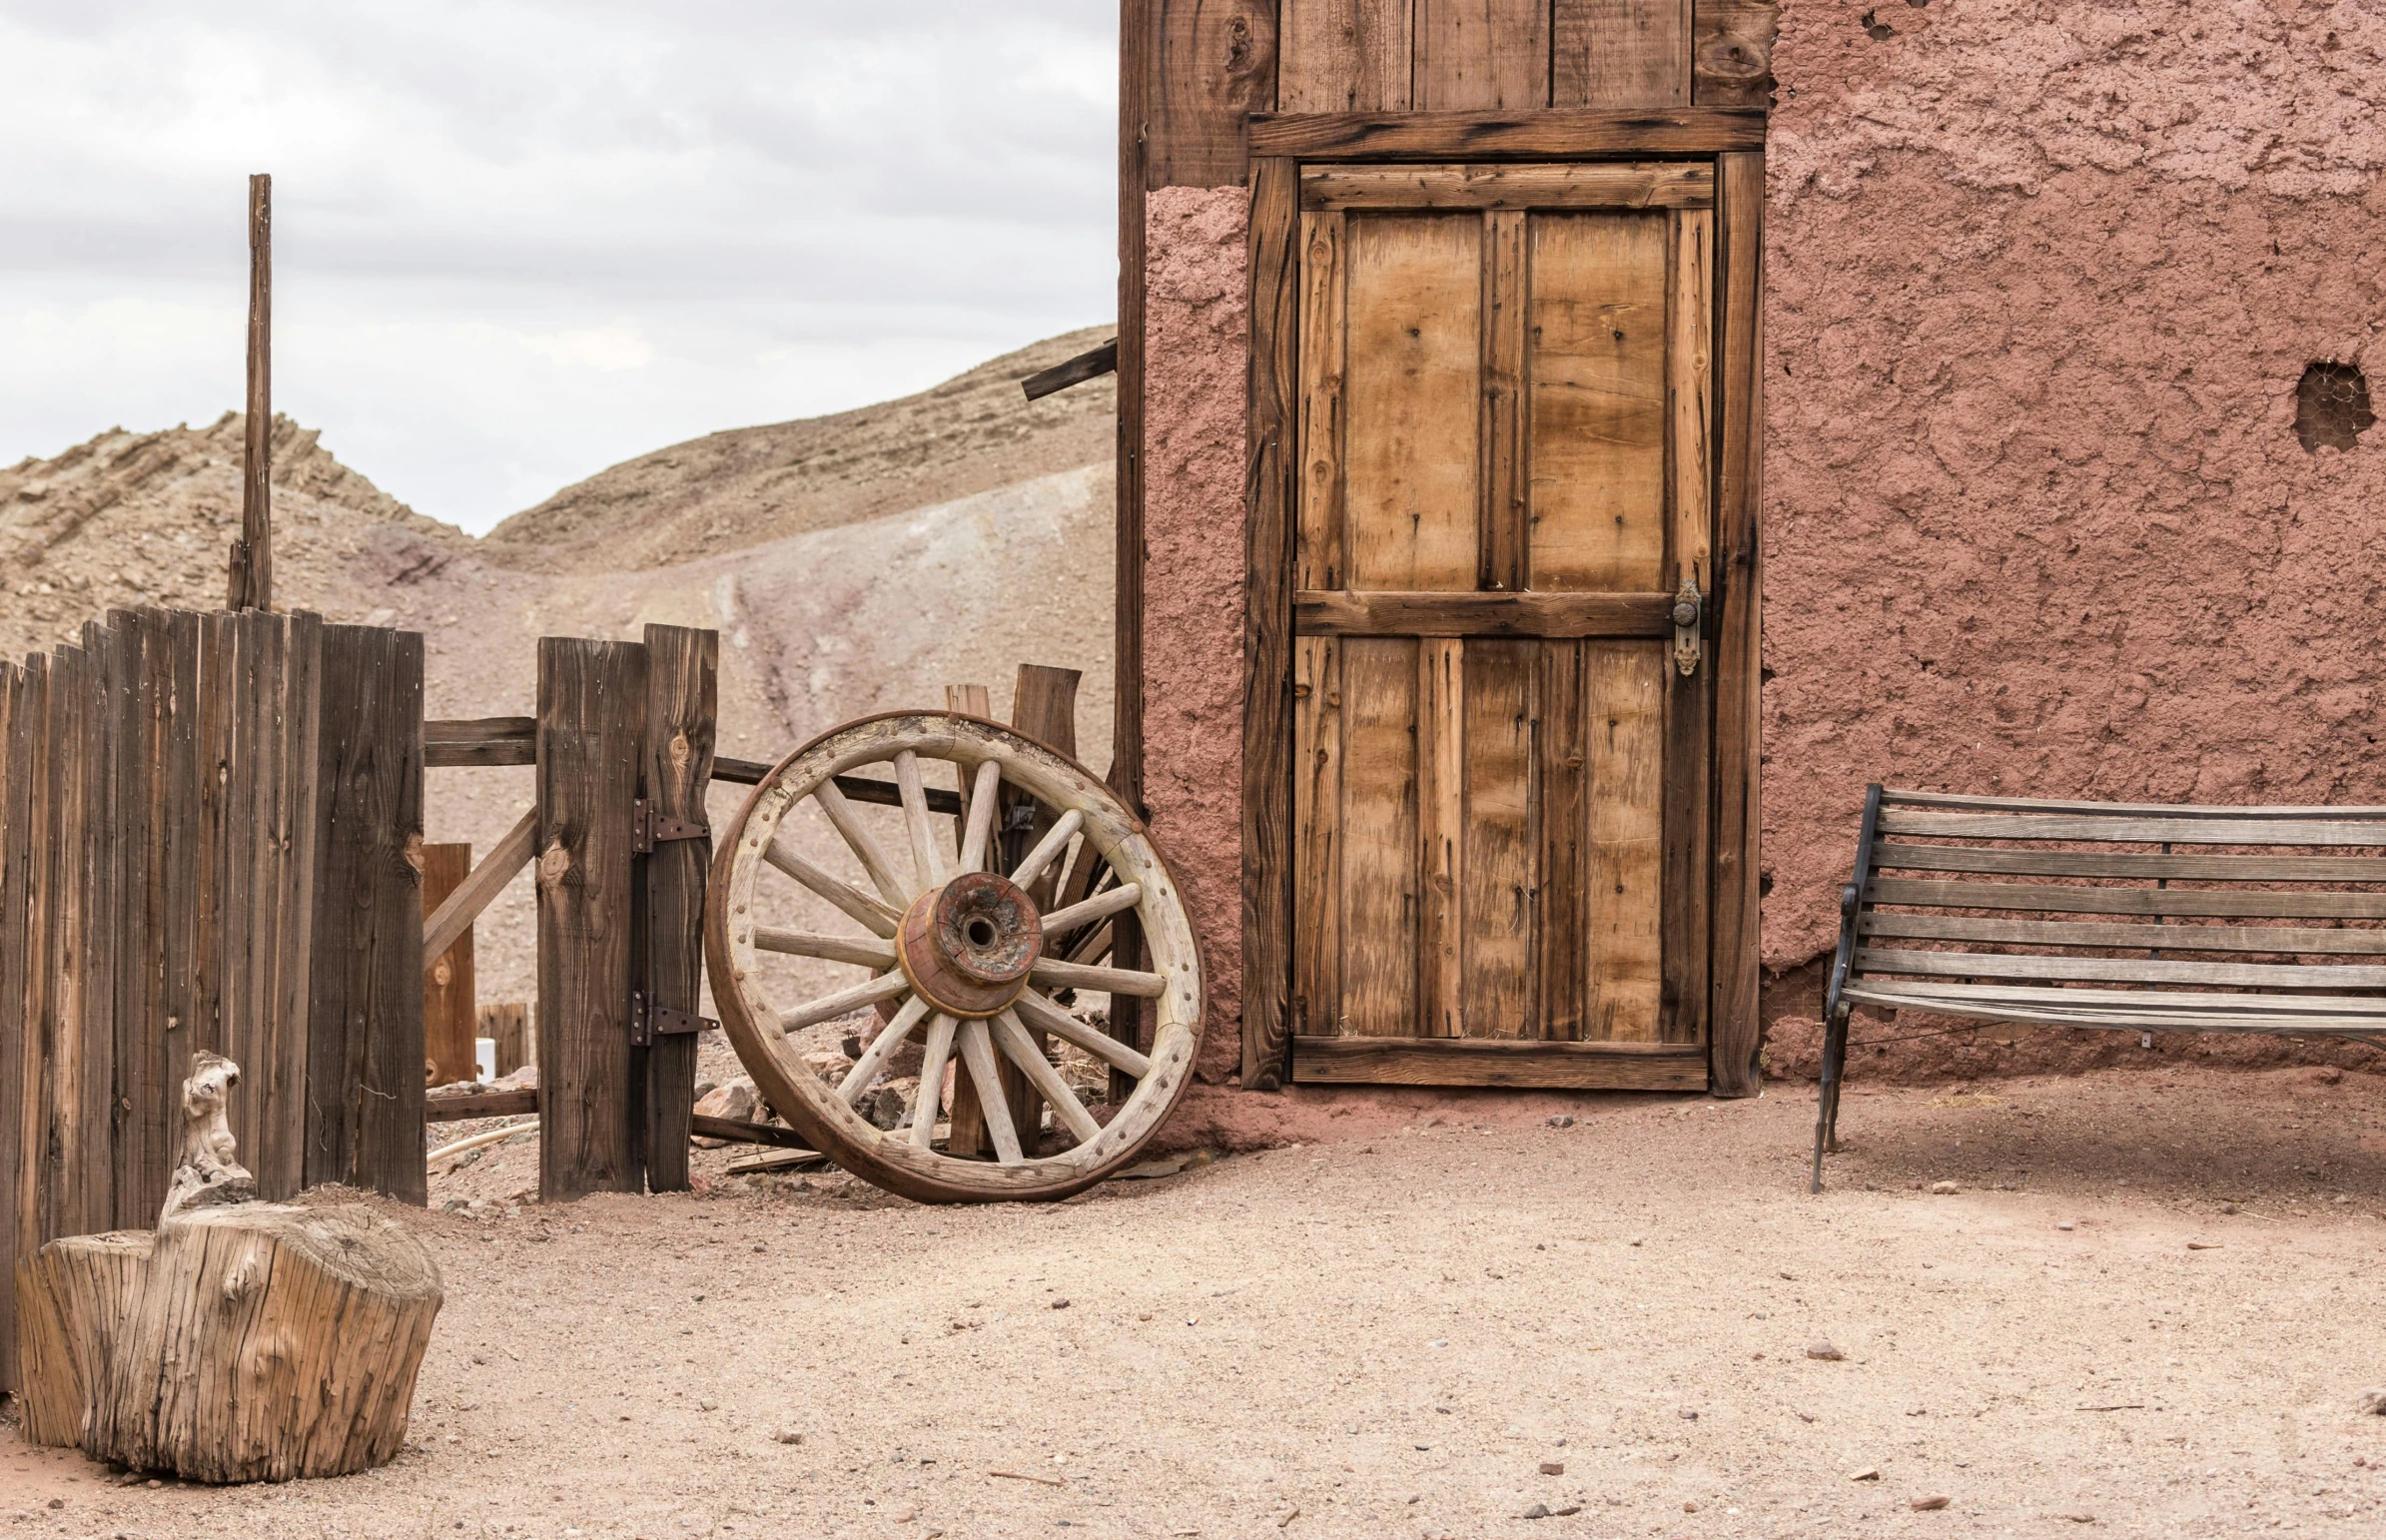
x=516 y=242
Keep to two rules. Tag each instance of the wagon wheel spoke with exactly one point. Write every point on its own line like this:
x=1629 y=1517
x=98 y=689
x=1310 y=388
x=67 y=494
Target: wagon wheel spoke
x=865 y=1070
x=927 y=860
x=930 y=1101
x=856 y=905
x=864 y=845
x=983 y=797
x=833 y=949
x=1021 y=1050
x=1041 y=1013
x=1107 y=980
x=977 y=1054
x=1062 y=920
x=1050 y=846
x=846 y=1001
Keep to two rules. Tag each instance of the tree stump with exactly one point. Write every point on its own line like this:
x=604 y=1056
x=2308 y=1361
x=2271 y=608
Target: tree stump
x=238 y=1342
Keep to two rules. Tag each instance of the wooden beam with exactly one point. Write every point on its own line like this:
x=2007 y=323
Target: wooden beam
x=493 y=740
x=16 y=807
x=1273 y=459
x=461 y=1106
x=252 y=585
x=456 y=913
x=1212 y=63
x=1583 y=185
x=682 y=705
x=1557 y=134
x=1731 y=52
x=746 y=1132
x=1090 y=364
x=1490 y=1062
x=1738 y=1033
x=451 y=1014
x=1345 y=612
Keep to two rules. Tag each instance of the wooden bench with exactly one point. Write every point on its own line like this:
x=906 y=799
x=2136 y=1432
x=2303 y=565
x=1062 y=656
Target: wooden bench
x=2125 y=916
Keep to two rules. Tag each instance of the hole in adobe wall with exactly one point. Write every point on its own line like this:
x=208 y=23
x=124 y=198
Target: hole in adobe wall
x=1879 y=31
x=2332 y=405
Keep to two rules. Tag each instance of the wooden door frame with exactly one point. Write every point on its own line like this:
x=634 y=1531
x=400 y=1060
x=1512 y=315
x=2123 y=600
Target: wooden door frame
x=1279 y=143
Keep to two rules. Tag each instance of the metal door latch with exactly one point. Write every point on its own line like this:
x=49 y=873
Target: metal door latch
x=648 y=1020
x=648 y=828
x=1688 y=605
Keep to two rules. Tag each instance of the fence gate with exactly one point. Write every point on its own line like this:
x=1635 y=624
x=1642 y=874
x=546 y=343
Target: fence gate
x=1502 y=719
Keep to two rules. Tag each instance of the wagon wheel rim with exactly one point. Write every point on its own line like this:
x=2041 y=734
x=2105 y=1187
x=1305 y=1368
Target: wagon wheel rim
x=964 y=961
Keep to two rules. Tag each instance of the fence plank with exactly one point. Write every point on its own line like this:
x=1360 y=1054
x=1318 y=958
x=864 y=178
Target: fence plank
x=364 y=1027
x=141 y=1164
x=591 y=708
x=15 y=799
x=94 y=1169
x=219 y=666
x=451 y=1018
x=178 y=795
x=62 y=1024
x=682 y=703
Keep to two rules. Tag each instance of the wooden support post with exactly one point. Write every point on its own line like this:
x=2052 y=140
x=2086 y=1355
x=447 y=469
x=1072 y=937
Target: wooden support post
x=683 y=700
x=591 y=719
x=252 y=554
x=450 y=1017
x=506 y=1025
x=15 y=901
x=965 y=1135
x=1042 y=706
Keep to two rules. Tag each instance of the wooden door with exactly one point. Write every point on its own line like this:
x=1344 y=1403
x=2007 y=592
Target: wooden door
x=1501 y=718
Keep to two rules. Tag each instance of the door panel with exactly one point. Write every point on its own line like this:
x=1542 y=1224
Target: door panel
x=1499 y=839
x=1598 y=347
x=1412 y=382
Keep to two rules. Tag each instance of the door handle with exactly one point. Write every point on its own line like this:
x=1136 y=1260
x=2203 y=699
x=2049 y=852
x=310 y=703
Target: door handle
x=1688 y=605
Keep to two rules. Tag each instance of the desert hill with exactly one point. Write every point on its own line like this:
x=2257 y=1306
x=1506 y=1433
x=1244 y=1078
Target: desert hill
x=852 y=563
x=739 y=487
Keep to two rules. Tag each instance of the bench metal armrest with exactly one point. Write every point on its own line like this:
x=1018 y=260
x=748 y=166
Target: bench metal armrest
x=1852 y=905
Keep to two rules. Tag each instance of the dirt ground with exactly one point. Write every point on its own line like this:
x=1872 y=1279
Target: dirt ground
x=2150 y=1307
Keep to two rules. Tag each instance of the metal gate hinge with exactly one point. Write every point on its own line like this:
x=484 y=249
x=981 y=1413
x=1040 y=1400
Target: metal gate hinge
x=1688 y=603
x=648 y=828
x=648 y=1021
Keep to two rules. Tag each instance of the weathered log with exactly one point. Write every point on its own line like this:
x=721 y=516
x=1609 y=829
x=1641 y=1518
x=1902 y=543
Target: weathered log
x=240 y=1341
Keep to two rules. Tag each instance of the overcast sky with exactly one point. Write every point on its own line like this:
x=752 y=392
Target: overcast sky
x=518 y=241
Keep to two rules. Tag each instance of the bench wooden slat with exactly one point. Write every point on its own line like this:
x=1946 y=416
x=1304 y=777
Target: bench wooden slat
x=2122 y=970
x=2137 y=1012
x=2182 y=810
x=2165 y=938
x=2186 y=1000
x=2205 y=903
x=2116 y=863
x=2131 y=830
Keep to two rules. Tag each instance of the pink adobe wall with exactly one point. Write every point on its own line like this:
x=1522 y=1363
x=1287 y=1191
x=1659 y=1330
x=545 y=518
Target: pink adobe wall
x=1197 y=310
x=2042 y=280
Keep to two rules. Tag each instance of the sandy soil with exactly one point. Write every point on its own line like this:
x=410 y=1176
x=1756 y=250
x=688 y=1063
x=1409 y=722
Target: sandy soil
x=1392 y=1336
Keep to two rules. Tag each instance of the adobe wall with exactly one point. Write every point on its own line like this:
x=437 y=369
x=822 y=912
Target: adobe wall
x=2042 y=281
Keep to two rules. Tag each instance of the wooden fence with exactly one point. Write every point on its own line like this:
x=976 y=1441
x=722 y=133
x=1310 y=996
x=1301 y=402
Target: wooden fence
x=208 y=835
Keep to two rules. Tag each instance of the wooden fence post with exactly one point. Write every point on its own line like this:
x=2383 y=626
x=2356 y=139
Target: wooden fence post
x=252 y=585
x=451 y=1014
x=1042 y=706
x=683 y=700
x=15 y=798
x=592 y=703
x=362 y=1026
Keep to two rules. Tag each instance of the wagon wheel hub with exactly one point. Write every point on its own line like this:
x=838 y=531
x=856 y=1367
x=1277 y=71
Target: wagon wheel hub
x=967 y=946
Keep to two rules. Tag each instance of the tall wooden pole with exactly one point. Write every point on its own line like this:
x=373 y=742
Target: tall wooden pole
x=253 y=552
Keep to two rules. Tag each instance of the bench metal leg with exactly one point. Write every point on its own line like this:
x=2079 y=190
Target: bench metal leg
x=1826 y=1107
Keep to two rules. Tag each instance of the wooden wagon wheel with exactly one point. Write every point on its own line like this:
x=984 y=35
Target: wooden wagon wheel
x=963 y=952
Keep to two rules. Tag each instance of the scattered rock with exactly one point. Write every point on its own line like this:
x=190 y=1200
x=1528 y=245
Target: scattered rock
x=1562 y=1121
x=1824 y=1351
x=887 y=1109
x=1945 y=1189
x=1690 y=1414
x=2373 y=1402
x=708 y=1406
x=1536 y=1511
x=1553 y=1468
x=1869 y=1473
x=1566 y=1512
x=2204 y=1245
x=1690 y=1507
x=1060 y=1305
x=1927 y=1504
x=787 y=1436
x=2065 y=1224
x=2078 y=1518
